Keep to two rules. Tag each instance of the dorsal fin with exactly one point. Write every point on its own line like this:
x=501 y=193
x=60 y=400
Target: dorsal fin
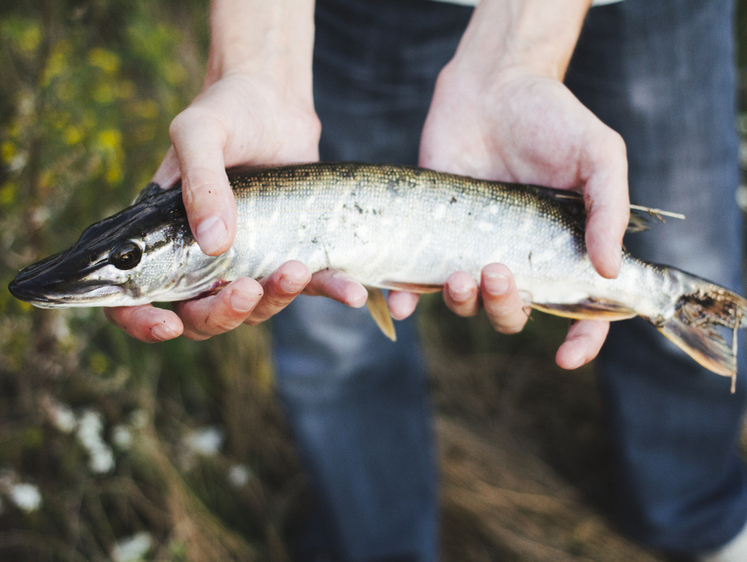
x=573 y=204
x=148 y=191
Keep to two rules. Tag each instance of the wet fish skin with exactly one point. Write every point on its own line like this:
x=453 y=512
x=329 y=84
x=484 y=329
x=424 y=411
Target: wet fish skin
x=390 y=227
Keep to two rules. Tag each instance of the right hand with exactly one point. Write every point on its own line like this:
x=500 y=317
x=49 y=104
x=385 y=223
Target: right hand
x=236 y=120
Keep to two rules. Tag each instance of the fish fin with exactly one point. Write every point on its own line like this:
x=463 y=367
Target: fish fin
x=589 y=309
x=148 y=191
x=702 y=343
x=380 y=312
x=693 y=326
x=419 y=288
x=573 y=203
x=639 y=220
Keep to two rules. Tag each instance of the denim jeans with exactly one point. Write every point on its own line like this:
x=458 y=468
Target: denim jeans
x=661 y=74
x=357 y=403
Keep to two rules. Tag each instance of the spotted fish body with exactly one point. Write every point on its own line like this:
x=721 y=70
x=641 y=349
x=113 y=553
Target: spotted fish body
x=389 y=227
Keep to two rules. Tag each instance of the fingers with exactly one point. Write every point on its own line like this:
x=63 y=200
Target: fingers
x=503 y=305
x=168 y=172
x=280 y=288
x=337 y=285
x=199 y=142
x=221 y=312
x=402 y=303
x=500 y=297
x=461 y=294
x=607 y=203
x=146 y=323
x=582 y=344
x=242 y=301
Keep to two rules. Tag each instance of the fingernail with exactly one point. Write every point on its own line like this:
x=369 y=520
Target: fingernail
x=577 y=360
x=241 y=302
x=163 y=332
x=459 y=294
x=358 y=300
x=290 y=284
x=617 y=257
x=495 y=283
x=210 y=234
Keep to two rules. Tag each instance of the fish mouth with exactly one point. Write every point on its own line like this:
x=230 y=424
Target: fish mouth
x=44 y=285
x=22 y=291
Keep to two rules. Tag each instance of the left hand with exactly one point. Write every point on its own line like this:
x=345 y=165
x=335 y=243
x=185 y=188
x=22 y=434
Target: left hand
x=500 y=111
x=522 y=127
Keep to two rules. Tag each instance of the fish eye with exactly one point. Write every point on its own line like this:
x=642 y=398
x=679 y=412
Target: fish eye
x=126 y=256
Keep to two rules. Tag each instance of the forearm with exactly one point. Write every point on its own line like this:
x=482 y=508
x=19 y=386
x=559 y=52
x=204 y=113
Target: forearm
x=270 y=39
x=536 y=34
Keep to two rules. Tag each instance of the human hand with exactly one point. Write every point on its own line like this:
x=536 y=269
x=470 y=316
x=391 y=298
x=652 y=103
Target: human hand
x=256 y=108
x=509 y=121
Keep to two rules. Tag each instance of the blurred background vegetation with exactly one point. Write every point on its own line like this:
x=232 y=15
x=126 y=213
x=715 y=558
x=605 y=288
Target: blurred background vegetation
x=115 y=450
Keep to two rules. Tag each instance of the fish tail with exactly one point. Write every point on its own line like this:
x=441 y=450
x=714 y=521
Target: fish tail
x=699 y=312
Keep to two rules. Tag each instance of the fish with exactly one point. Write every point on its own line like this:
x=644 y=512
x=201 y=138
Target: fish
x=389 y=227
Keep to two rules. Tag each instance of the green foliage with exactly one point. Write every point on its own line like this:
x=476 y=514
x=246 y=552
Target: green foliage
x=92 y=421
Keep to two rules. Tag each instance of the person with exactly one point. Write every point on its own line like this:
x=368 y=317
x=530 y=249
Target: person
x=556 y=93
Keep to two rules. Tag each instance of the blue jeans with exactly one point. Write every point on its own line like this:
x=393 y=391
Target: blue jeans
x=661 y=74
x=658 y=72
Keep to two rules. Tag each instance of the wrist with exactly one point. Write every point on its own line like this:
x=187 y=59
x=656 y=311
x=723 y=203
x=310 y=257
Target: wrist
x=270 y=40
x=534 y=35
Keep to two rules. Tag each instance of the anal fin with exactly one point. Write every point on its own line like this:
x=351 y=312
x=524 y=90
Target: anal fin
x=380 y=312
x=589 y=309
x=420 y=288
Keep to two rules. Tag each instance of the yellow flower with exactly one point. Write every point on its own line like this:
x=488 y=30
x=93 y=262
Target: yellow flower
x=103 y=59
x=110 y=139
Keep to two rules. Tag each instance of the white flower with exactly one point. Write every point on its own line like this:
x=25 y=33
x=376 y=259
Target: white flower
x=102 y=460
x=239 y=475
x=138 y=419
x=122 y=437
x=204 y=441
x=90 y=428
x=26 y=496
x=132 y=549
x=61 y=416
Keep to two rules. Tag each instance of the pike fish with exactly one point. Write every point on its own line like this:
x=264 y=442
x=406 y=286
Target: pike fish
x=389 y=227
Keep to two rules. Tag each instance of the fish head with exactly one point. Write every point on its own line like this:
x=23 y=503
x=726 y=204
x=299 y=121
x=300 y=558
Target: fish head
x=137 y=256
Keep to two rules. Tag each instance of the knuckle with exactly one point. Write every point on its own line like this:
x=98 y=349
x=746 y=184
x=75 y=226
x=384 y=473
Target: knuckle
x=275 y=303
x=463 y=309
x=195 y=335
x=513 y=328
x=611 y=147
x=181 y=123
x=314 y=127
x=617 y=143
x=507 y=320
x=222 y=321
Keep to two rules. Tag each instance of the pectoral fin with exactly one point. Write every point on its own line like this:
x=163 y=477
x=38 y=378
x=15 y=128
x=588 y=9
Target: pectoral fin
x=380 y=312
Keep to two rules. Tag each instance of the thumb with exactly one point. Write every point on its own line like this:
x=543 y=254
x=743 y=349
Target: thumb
x=608 y=205
x=207 y=194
